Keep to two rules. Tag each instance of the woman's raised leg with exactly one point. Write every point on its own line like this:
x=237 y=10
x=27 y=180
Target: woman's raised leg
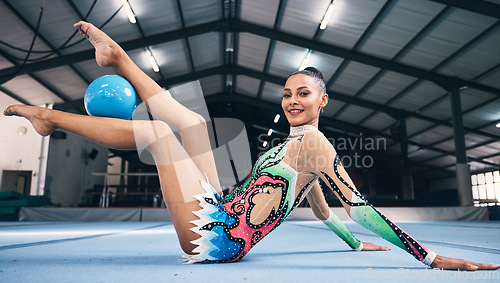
x=191 y=126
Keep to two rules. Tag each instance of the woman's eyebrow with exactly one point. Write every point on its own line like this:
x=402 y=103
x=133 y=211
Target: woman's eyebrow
x=287 y=89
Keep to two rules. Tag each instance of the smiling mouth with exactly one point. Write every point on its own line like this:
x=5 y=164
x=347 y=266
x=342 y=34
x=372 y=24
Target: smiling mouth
x=295 y=111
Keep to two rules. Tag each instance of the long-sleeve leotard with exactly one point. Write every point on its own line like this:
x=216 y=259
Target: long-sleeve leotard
x=231 y=226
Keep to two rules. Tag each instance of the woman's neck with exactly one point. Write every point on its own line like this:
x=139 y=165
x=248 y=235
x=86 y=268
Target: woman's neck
x=300 y=130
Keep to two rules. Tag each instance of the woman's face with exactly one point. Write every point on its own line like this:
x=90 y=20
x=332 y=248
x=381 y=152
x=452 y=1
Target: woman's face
x=302 y=100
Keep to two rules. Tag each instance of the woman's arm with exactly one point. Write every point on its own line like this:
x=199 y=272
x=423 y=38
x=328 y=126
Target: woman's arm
x=321 y=210
x=318 y=156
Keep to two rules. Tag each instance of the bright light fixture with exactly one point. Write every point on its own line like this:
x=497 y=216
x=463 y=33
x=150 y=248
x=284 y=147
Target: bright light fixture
x=498 y=125
x=270 y=132
x=264 y=144
x=327 y=16
x=154 y=65
x=128 y=10
x=276 y=118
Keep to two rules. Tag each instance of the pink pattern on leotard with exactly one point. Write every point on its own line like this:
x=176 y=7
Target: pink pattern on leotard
x=241 y=207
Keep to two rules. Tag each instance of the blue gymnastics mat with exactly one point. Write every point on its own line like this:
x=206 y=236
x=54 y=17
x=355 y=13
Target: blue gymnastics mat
x=298 y=251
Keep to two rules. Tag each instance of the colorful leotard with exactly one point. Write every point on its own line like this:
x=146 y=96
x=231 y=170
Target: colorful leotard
x=229 y=227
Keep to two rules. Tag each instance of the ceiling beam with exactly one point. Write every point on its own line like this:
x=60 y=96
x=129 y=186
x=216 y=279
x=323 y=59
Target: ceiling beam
x=443 y=63
x=57 y=93
x=13 y=95
x=127 y=45
x=444 y=81
x=476 y=6
x=233 y=25
x=41 y=37
x=186 y=40
x=418 y=37
x=272 y=44
x=368 y=31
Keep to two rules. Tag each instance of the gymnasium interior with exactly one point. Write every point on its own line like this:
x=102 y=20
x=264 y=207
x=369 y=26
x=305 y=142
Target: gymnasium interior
x=413 y=112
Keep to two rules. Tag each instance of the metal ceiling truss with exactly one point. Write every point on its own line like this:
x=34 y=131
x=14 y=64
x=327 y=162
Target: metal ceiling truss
x=13 y=95
x=272 y=44
x=368 y=31
x=440 y=65
x=478 y=6
x=186 y=40
x=402 y=52
x=396 y=57
x=440 y=99
x=41 y=37
x=36 y=78
x=234 y=25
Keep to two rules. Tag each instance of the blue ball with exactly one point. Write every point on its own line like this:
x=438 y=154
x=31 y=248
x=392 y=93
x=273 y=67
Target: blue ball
x=111 y=96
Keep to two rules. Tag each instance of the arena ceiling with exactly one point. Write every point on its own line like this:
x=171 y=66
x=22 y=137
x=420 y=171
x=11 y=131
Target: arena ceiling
x=387 y=63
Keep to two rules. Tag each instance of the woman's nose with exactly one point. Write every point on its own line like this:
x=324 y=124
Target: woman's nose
x=293 y=101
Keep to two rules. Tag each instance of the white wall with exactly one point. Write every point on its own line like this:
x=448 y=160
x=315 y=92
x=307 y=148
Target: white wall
x=21 y=152
x=69 y=171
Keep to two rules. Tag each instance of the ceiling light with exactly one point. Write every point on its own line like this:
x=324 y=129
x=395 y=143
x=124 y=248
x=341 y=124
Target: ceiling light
x=264 y=144
x=270 y=132
x=152 y=60
x=305 y=62
x=128 y=10
x=498 y=125
x=276 y=118
x=327 y=16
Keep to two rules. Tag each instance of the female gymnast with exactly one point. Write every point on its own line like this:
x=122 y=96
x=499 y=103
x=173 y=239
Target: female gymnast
x=223 y=229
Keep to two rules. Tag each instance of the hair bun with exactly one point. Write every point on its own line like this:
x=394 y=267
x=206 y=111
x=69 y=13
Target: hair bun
x=314 y=71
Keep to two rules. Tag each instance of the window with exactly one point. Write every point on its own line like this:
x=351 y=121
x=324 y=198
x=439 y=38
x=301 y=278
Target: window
x=486 y=188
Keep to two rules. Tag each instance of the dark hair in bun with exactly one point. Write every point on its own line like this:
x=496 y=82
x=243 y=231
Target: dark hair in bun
x=313 y=73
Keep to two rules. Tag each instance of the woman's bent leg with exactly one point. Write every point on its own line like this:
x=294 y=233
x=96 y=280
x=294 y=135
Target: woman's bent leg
x=179 y=176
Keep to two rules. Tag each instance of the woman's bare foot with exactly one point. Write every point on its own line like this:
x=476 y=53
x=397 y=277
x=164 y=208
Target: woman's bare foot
x=107 y=51
x=36 y=115
x=442 y=262
x=372 y=247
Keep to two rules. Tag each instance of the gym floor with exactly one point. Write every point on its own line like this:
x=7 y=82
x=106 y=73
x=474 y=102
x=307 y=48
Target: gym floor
x=298 y=251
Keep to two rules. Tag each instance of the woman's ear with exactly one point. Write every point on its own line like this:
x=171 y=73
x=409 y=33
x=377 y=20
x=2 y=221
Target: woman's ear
x=324 y=99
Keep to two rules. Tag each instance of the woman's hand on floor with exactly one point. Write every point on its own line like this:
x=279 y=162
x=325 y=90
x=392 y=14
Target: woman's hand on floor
x=372 y=247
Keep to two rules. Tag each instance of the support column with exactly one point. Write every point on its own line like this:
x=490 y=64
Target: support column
x=462 y=168
x=406 y=177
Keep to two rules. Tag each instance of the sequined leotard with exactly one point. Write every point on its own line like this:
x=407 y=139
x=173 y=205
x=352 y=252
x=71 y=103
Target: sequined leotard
x=229 y=227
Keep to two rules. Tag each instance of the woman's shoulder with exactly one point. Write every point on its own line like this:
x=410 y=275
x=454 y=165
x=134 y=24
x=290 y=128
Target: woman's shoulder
x=315 y=153
x=316 y=138
x=314 y=135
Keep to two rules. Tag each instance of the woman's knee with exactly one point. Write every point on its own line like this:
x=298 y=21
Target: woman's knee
x=149 y=132
x=195 y=121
